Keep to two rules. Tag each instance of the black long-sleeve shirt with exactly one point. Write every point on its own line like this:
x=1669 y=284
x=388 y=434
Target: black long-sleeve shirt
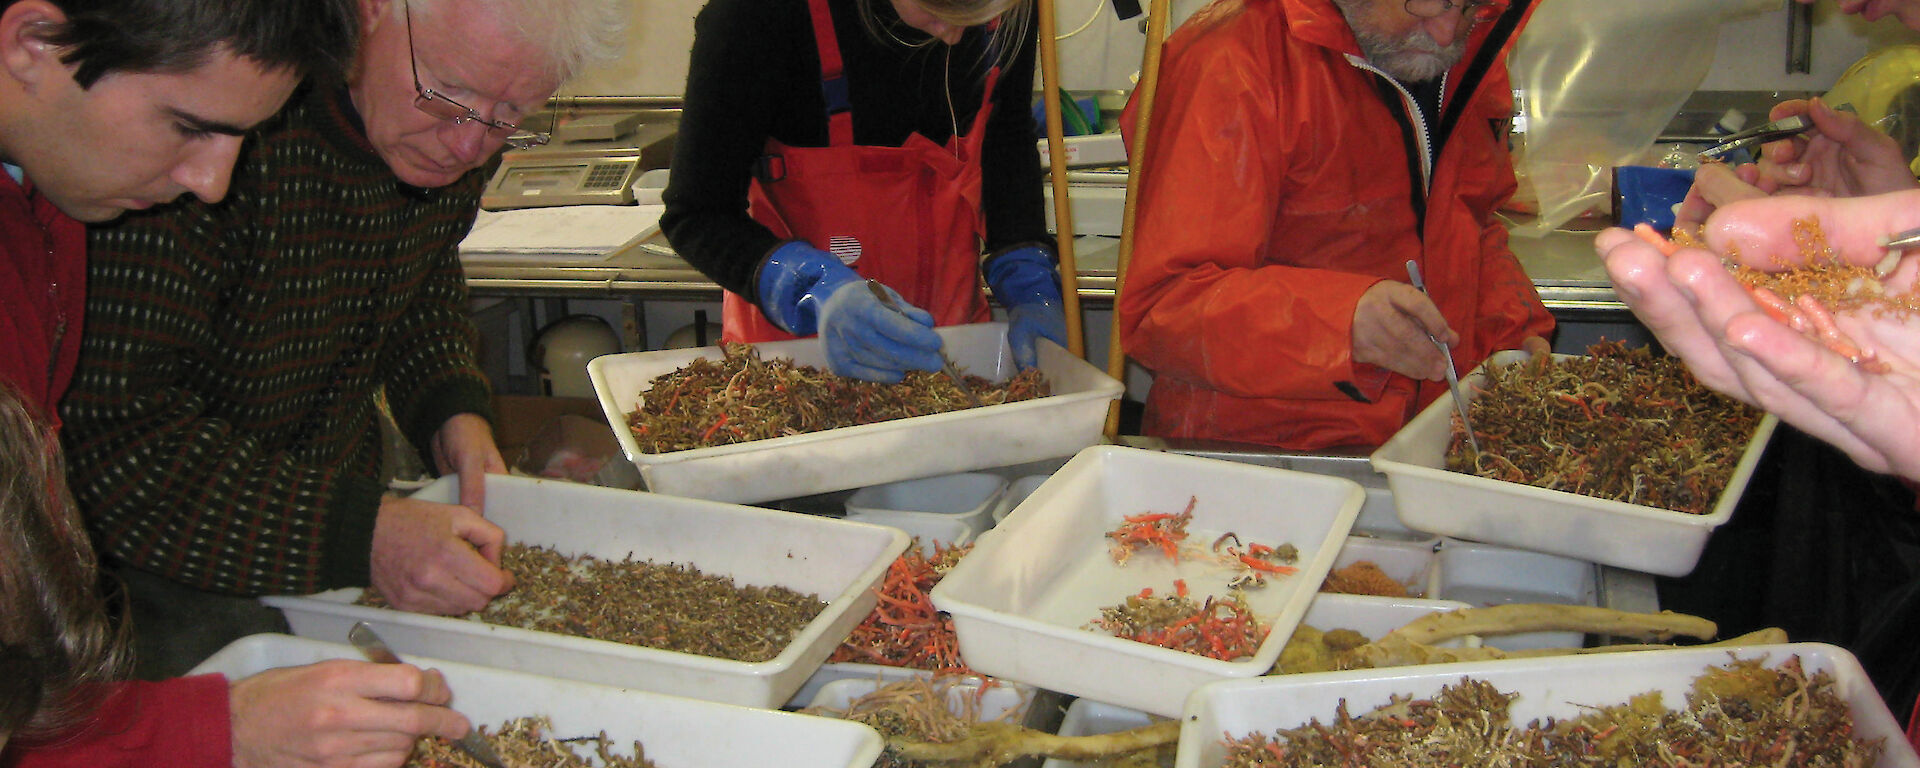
x=755 y=74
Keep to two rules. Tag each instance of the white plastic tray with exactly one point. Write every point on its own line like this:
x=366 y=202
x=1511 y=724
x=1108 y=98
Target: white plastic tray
x=999 y=701
x=1019 y=600
x=837 y=561
x=1414 y=564
x=1017 y=491
x=1483 y=575
x=1086 y=717
x=967 y=498
x=847 y=670
x=1560 y=687
x=1376 y=616
x=673 y=731
x=870 y=454
x=1642 y=538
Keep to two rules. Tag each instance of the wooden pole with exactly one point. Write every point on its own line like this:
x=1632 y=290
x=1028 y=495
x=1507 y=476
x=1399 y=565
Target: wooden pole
x=1050 y=91
x=1157 y=12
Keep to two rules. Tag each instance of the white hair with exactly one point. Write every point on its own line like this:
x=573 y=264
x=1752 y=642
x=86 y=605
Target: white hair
x=575 y=34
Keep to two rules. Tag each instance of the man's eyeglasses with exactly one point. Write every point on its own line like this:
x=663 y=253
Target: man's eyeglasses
x=1474 y=10
x=437 y=104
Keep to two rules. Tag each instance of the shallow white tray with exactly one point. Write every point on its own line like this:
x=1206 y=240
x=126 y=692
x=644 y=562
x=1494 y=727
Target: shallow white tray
x=1412 y=563
x=1561 y=687
x=1086 y=717
x=1376 y=616
x=1017 y=491
x=967 y=498
x=1634 y=536
x=837 y=561
x=1482 y=575
x=1019 y=600
x=674 y=731
x=870 y=454
x=997 y=701
x=847 y=670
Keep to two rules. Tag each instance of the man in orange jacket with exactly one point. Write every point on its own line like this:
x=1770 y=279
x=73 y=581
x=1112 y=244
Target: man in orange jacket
x=1300 y=154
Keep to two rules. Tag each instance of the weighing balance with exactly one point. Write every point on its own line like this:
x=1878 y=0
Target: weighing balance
x=593 y=160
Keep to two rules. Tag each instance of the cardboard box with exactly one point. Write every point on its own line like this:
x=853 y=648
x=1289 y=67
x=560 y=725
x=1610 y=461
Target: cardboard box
x=561 y=437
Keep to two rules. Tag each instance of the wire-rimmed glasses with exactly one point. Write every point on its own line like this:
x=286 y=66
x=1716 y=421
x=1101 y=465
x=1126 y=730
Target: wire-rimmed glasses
x=1474 y=10
x=437 y=104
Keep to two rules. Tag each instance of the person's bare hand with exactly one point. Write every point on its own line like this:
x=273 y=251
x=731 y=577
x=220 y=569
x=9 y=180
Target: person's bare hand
x=1842 y=156
x=1391 y=324
x=437 y=558
x=464 y=444
x=338 y=714
x=1702 y=314
x=1715 y=185
x=1536 y=346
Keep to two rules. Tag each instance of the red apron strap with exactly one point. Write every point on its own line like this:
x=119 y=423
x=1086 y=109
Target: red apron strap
x=986 y=102
x=833 y=78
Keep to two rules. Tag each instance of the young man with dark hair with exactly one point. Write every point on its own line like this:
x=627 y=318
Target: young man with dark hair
x=107 y=106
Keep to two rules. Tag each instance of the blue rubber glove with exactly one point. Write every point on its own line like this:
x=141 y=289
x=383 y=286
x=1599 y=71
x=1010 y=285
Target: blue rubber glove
x=805 y=291
x=1024 y=281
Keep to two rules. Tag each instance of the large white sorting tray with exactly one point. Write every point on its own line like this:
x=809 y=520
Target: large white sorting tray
x=869 y=454
x=673 y=730
x=1561 y=686
x=838 y=561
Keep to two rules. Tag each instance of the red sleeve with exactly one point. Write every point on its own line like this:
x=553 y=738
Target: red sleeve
x=177 y=723
x=1913 y=726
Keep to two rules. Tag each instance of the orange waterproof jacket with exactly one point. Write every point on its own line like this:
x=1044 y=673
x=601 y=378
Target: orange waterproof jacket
x=1282 y=179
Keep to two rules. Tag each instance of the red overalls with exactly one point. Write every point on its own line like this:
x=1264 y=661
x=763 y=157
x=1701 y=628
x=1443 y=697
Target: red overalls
x=907 y=216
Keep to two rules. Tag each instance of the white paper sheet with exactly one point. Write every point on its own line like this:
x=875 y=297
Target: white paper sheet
x=571 y=231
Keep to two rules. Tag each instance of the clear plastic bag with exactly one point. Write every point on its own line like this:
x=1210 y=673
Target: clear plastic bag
x=1599 y=80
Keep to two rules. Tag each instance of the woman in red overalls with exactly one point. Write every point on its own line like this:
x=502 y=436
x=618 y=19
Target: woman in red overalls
x=826 y=143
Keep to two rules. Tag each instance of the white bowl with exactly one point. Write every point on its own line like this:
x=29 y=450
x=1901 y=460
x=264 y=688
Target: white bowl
x=1430 y=498
x=997 y=701
x=1086 y=717
x=1413 y=564
x=869 y=454
x=838 y=561
x=1017 y=491
x=673 y=731
x=1483 y=575
x=966 y=497
x=930 y=532
x=1020 y=598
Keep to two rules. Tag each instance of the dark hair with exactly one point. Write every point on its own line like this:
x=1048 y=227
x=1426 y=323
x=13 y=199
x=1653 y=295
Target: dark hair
x=56 y=632
x=311 y=37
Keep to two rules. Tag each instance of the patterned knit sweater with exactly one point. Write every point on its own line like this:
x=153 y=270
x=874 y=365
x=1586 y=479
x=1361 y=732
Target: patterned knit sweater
x=222 y=427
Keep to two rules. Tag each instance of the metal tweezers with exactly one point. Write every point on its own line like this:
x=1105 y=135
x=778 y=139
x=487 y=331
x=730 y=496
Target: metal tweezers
x=1752 y=137
x=1902 y=241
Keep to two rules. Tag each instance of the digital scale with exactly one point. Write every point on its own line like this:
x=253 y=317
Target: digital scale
x=593 y=160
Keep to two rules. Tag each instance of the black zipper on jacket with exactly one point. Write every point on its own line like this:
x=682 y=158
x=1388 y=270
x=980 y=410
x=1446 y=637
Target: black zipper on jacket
x=1409 y=138
x=1450 y=110
x=1503 y=28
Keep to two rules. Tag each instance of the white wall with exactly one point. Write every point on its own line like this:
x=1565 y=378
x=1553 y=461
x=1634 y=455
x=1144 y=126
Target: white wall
x=660 y=35
x=1751 y=52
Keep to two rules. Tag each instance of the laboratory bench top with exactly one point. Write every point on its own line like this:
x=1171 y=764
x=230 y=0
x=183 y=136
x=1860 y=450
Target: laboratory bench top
x=1564 y=267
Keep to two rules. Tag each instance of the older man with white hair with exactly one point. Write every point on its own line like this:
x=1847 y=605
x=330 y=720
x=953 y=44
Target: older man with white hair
x=223 y=426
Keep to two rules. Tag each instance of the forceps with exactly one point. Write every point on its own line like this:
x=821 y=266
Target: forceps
x=1902 y=241
x=1752 y=137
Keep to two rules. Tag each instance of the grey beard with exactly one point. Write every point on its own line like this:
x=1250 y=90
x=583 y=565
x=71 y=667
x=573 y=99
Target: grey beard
x=1410 y=58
